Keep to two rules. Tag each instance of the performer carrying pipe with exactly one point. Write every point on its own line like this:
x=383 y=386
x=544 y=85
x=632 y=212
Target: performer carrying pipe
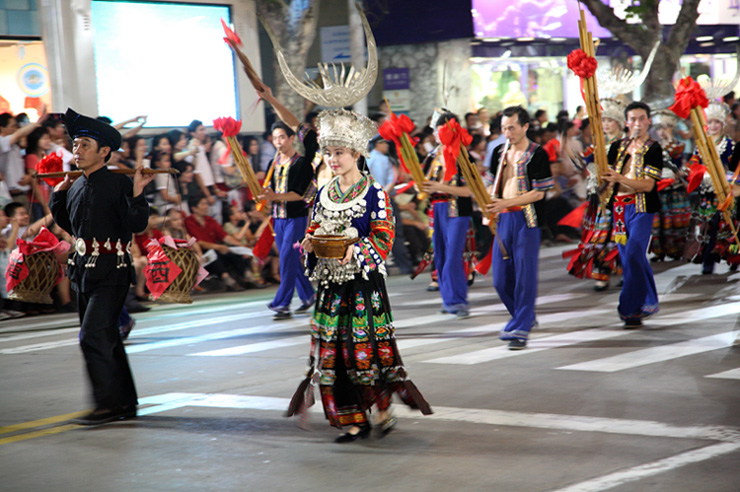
x=524 y=180
x=101 y=210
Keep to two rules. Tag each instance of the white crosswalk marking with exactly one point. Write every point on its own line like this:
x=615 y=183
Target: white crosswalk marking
x=533 y=346
x=652 y=355
x=257 y=347
x=731 y=374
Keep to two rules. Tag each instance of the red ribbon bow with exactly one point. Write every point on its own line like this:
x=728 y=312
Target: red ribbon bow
x=689 y=95
x=696 y=174
x=52 y=163
x=393 y=128
x=231 y=36
x=228 y=126
x=582 y=65
x=452 y=136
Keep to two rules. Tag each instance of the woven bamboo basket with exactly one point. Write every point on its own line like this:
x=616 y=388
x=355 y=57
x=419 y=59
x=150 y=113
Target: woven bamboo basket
x=43 y=270
x=331 y=246
x=179 y=290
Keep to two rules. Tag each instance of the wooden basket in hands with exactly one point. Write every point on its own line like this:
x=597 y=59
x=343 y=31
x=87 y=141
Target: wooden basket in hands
x=43 y=270
x=331 y=246
x=179 y=290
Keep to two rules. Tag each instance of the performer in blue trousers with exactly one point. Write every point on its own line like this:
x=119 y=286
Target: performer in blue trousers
x=524 y=179
x=449 y=238
x=452 y=208
x=291 y=192
x=636 y=165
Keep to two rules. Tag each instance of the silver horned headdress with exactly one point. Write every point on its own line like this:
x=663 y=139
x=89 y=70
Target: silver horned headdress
x=717 y=110
x=341 y=88
x=614 y=109
x=716 y=88
x=665 y=117
x=616 y=81
x=343 y=128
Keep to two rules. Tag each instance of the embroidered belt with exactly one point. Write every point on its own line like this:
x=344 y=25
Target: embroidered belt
x=512 y=209
x=625 y=198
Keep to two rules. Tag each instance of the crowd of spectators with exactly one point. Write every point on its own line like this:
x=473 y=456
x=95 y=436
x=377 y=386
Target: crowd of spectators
x=208 y=200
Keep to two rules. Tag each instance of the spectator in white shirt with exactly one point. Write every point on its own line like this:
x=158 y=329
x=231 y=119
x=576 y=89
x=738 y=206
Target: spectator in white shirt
x=59 y=142
x=12 y=166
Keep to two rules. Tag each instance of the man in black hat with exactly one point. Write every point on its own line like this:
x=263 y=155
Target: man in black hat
x=101 y=210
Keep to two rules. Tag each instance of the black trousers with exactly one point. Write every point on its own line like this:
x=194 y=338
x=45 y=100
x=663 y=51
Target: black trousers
x=106 y=361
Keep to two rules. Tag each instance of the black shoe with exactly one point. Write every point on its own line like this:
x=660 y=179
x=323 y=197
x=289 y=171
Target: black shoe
x=601 y=286
x=99 y=416
x=128 y=412
x=282 y=315
x=517 y=344
x=306 y=305
x=433 y=287
x=348 y=437
x=234 y=288
x=631 y=324
x=136 y=307
x=67 y=308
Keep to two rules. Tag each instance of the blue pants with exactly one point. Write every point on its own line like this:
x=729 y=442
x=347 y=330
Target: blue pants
x=287 y=233
x=515 y=279
x=449 y=242
x=639 y=297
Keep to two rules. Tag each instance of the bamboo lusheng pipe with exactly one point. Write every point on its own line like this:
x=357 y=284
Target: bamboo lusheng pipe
x=593 y=108
x=245 y=168
x=268 y=177
x=478 y=189
x=75 y=174
x=411 y=159
x=414 y=168
x=714 y=167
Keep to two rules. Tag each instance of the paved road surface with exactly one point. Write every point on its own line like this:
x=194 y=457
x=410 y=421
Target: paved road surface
x=588 y=406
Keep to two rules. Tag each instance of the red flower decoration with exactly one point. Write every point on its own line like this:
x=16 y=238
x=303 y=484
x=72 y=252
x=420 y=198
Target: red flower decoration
x=393 y=128
x=689 y=95
x=453 y=136
x=582 y=65
x=228 y=126
x=231 y=37
x=52 y=163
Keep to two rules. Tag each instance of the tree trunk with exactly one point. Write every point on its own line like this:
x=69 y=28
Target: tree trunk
x=296 y=30
x=642 y=37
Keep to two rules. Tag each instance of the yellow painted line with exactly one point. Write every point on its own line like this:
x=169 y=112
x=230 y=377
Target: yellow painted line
x=41 y=422
x=40 y=433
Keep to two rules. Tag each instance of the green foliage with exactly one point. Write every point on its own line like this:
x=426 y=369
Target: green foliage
x=640 y=7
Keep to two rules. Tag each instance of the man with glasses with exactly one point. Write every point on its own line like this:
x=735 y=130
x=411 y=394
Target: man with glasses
x=636 y=164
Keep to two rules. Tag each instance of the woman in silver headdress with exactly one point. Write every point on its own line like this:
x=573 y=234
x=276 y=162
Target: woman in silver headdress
x=707 y=224
x=598 y=257
x=354 y=357
x=671 y=222
x=358 y=362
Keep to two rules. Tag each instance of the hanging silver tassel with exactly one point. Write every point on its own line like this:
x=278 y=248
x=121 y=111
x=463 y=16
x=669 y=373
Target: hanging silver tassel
x=120 y=260
x=93 y=260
